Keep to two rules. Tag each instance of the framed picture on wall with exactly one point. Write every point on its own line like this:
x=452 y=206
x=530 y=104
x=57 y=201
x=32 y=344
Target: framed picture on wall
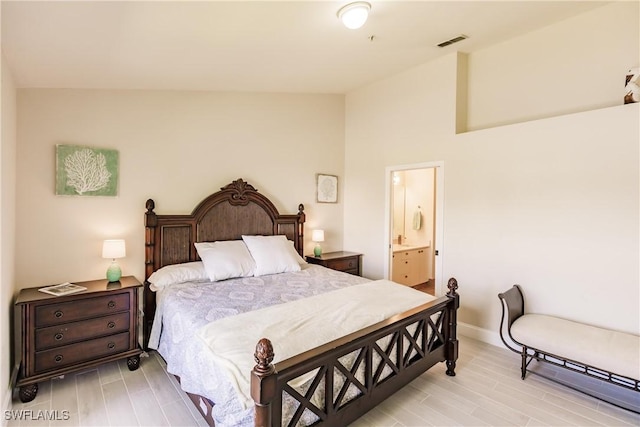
x=326 y=188
x=86 y=171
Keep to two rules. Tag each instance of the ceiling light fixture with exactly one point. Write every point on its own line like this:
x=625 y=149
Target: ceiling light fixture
x=355 y=14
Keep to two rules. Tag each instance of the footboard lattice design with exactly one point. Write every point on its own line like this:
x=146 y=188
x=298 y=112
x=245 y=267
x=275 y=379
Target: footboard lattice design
x=336 y=383
x=346 y=377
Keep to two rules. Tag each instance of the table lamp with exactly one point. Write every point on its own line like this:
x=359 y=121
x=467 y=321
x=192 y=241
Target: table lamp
x=317 y=236
x=113 y=249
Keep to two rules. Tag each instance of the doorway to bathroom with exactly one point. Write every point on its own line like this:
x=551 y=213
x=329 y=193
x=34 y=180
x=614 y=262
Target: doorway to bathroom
x=415 y=225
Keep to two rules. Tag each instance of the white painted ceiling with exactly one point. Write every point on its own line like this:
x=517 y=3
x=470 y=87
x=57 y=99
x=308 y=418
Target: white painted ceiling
x=285 y=46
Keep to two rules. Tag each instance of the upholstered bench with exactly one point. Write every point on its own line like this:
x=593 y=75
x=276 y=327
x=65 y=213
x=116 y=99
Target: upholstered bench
x=601 y=353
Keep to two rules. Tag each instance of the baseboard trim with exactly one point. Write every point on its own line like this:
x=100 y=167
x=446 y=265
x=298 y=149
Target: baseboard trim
x=480 y=334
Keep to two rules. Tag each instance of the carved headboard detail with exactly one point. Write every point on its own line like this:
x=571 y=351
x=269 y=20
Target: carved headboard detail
x=237 y=209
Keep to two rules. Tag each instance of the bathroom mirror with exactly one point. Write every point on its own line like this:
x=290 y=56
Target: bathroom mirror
x=413 y=207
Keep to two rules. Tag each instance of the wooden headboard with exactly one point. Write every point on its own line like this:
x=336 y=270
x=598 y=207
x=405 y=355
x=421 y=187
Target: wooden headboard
x=235 y=210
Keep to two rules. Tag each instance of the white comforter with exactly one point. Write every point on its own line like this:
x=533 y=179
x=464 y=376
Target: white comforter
x=302 y=325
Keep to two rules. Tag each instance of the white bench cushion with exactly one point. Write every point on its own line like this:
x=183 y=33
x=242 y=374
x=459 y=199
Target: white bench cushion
x=616 y=352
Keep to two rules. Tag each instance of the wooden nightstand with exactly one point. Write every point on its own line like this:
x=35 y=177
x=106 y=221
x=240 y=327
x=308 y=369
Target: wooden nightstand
x=349 y=262
x=56 y=335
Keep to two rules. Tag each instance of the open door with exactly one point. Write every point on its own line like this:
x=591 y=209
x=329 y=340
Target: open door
x=414 y=225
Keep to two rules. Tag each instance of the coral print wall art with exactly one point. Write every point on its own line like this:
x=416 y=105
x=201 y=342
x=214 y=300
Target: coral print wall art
x=86 y=171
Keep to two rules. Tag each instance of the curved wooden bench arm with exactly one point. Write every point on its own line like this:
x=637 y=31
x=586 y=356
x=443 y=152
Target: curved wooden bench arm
x=512 y=302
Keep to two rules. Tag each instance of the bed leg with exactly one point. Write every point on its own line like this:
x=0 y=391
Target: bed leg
x=451 y=366
x=263 y=382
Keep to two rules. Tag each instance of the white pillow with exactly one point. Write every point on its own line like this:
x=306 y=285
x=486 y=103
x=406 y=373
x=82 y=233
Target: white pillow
x=295 y=254
x=177 y=273
x=272 y=254
x=225 y=259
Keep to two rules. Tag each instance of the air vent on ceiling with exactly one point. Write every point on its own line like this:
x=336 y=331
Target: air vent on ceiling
x=453 y=40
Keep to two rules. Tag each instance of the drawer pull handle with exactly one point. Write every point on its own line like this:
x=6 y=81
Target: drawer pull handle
x=111 y=304
x=58 y=358
x=58 y=336
x=111 y=325
x=351 y=264
x=58 y=314
x=111 y=345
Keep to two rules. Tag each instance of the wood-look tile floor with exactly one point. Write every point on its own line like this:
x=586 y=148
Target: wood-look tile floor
x=487 y=390
x=111 y=395
x=428 y=287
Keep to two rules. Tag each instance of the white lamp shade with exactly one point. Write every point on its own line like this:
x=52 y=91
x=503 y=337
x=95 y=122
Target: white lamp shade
x=317 y=236
x=354 y=15
x=113 y=249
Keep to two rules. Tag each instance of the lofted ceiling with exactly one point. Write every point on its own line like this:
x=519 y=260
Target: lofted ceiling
x=257 y=46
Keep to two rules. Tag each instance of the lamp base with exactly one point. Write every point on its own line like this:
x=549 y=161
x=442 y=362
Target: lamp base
x=317 y=251
x=114 y=273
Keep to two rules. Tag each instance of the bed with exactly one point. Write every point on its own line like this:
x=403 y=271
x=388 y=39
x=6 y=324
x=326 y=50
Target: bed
x=331 y=378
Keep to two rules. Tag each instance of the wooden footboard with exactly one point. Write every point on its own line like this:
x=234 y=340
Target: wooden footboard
x=351 y=375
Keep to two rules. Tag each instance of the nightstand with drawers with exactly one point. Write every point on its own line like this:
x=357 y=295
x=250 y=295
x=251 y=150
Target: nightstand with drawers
x=56 y=335
x=349 y=262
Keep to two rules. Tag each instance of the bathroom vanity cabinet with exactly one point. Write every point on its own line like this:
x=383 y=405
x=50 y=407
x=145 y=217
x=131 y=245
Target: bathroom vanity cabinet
x=410 y=265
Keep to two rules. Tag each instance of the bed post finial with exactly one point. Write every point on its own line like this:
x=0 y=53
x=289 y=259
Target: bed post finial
x=263 y=384
x=452 y=284
x=150 y=205
x=264 y=356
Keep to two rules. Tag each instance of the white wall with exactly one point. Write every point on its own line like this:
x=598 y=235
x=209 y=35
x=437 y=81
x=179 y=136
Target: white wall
x=7 y=224
x=390 y=123
x=550 y=204
x=577 y=65
x=175 y=147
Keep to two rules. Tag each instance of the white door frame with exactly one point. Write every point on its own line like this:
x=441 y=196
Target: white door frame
x=437 y=244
